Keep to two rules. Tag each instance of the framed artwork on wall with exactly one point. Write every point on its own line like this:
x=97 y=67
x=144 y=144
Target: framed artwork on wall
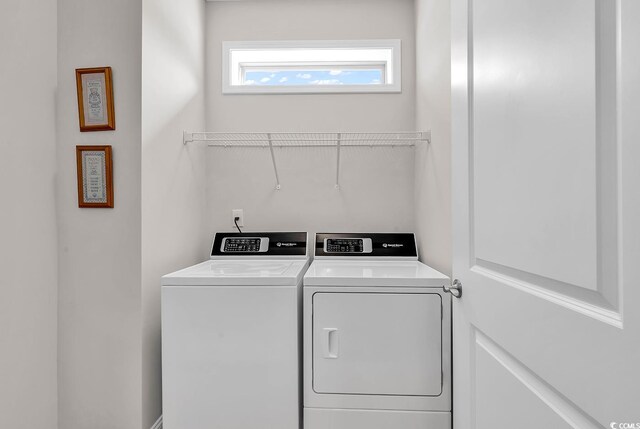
x=95 y=176
x=95 y=99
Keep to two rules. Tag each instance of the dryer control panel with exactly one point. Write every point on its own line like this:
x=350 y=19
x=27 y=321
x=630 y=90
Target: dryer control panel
x=235 y=244
x=347 y=245
x=391 y=245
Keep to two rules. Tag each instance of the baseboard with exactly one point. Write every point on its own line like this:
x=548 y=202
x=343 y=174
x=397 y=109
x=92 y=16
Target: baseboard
x=157 y=424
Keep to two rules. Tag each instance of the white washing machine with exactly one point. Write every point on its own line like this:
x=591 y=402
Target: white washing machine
x=377 y=336
x=231 y=335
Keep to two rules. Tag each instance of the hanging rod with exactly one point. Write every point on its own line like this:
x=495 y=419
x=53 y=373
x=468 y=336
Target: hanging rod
x=307 y=139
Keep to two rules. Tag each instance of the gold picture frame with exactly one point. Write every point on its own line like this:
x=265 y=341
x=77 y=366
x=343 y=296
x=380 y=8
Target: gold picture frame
x=95 y=99
x=95 y=176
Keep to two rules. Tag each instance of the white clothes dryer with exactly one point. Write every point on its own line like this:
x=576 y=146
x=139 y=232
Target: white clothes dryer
x=231 y=331
x=377 y=336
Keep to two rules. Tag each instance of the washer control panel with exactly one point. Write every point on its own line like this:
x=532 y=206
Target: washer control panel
x=347 y=245
x=244 y=244
x=366 y=245
x=259 y=244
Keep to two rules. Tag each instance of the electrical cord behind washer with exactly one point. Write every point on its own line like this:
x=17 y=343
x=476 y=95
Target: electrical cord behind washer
x=235 y=220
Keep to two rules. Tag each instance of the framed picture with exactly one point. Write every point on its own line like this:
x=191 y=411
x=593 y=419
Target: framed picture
x=95 y=99
x=95 y=176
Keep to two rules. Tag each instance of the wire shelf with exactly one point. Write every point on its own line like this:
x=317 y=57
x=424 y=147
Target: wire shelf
x=263 y=139
x=281 y=140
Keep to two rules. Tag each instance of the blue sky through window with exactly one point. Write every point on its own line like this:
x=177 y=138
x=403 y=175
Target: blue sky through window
x=314 y=77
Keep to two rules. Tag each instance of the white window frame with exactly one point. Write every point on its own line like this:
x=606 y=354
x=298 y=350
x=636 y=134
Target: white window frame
x=233 y=66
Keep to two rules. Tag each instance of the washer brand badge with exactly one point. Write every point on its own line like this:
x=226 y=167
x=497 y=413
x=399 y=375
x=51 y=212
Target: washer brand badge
x=385 y=245
x=615 y=425
x=281 y=244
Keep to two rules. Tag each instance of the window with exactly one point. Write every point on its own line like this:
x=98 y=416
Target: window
x=311 y=66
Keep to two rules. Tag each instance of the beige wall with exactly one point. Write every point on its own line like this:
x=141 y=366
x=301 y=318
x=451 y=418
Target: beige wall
x=376 y=184
x=433 y=111
x=99 y=358
x=173 y=178
x=28 y=286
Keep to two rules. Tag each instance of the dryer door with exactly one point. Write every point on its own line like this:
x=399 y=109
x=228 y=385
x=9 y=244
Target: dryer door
x=377 y=343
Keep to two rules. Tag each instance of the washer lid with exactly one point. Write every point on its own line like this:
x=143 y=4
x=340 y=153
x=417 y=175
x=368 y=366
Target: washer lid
x=373 y=273
x=239 y=272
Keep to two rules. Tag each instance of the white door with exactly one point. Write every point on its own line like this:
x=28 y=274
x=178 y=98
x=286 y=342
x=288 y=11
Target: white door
x=377 y=343
x=546 y=202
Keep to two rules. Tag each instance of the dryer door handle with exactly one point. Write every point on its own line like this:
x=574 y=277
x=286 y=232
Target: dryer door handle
x=330 y=342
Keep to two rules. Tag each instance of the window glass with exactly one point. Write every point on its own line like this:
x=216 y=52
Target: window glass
x=311 y=66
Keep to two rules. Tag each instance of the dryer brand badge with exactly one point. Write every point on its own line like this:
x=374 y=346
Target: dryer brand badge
x=385 y=245
x=281 y=244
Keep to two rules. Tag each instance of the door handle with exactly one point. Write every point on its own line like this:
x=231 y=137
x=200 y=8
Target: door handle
x=455 y=289
x=330 y=343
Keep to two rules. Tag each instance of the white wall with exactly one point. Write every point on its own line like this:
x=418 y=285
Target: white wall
x=376 y=184
x=28 y=294
x=99 y=357
x=433 y=111
x=173 y=179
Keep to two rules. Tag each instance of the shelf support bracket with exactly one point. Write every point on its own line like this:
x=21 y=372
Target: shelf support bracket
x=338 y=144
x=273 y=159
x=426 y=136
x=187 y=137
